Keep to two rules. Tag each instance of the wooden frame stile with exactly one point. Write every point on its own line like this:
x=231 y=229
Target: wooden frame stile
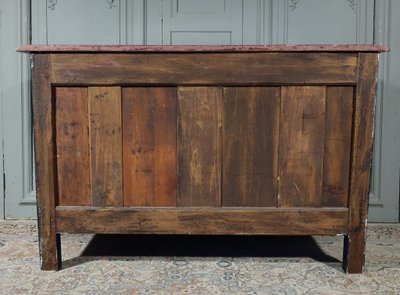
x=49 y=239
x=361 y=161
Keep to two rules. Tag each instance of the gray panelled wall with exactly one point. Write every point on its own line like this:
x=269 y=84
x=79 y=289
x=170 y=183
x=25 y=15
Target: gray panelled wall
x=17 y=195
x=193 y=22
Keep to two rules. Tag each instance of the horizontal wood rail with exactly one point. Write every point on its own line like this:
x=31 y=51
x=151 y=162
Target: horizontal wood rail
x=204 y=68
x=207 y=220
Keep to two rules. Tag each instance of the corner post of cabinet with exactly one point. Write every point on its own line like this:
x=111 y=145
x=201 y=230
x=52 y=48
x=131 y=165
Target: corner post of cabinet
x=361 y=157
x=45 y=161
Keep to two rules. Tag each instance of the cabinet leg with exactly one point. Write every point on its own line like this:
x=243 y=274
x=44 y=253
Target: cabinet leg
x=50 y=252
x=354 y=252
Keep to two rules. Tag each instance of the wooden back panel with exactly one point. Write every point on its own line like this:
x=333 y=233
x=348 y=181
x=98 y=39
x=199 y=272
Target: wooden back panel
x=260 y=129
x=266 y=146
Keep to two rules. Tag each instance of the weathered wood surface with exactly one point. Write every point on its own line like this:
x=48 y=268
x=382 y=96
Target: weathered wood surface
x=301 y=146
x=361 y=161
x=250 y=146
x=338 y=124
x=45 y=162
x=213 y=221
x=72 y=140
x=105 y=146
x=149 y=145
x=199 y=146
x=204 y=69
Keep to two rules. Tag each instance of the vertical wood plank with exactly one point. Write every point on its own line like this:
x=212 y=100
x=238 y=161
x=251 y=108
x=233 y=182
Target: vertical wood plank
x=361 y=162
x=250 y=146
x=338 y=122
x=301 y=148
x=199 y=146
x=149 y=146
x=72 y=139
x=105 y=146
x=45 y=162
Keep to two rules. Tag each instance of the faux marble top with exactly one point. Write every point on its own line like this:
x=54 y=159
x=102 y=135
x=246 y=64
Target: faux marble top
x=204 y=48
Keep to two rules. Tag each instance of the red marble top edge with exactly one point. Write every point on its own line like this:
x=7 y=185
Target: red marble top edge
x=202 y=48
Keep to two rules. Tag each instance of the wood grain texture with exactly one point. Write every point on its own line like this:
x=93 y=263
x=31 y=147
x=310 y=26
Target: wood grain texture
x=204 y=68
x=250 y=146
x=149 y=146
x=361 y=160
x=338 y=125
x=105 y=146
x=212 y=221
x=72 y=138
x=301 y=149
x=199 y=146
x=45 y=162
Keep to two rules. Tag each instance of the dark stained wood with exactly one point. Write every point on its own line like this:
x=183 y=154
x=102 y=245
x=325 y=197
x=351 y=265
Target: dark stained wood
x=149 y=146
x=105 y=146
x=212 y=221
x=338 y=122
x=72 y=140
x=301 y=149
x=361 y=161
x=204 y=68
x=45 y=162
x=250 y=146
x=199 y=146
x=204 y=48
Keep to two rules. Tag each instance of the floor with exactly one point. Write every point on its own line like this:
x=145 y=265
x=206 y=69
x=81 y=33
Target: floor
x=197 y=265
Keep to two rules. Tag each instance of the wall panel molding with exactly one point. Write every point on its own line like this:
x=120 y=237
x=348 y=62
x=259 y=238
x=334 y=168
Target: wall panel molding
x=51 y=4
x=284 y=13
x=293 y=4
x=29 y=193
x=381 y=37
x=136 y=22
x=18 y=157
x=384 y=198
x=257 y=17
x=194 y=22
x=2 y=41
x=353 y=4
x=103 y=21
x=364 y=10
x=153 y=22
x=278 y=21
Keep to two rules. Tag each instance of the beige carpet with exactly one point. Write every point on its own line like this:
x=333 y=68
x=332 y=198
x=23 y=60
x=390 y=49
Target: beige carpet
x=197 y=265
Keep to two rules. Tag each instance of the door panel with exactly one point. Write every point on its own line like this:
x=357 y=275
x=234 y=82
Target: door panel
x=202 y=22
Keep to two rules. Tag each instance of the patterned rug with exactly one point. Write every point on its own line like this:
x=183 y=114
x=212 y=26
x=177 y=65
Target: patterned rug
x=118 y=264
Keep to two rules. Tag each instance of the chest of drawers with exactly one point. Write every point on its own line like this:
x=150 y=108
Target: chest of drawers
x=235 y=140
